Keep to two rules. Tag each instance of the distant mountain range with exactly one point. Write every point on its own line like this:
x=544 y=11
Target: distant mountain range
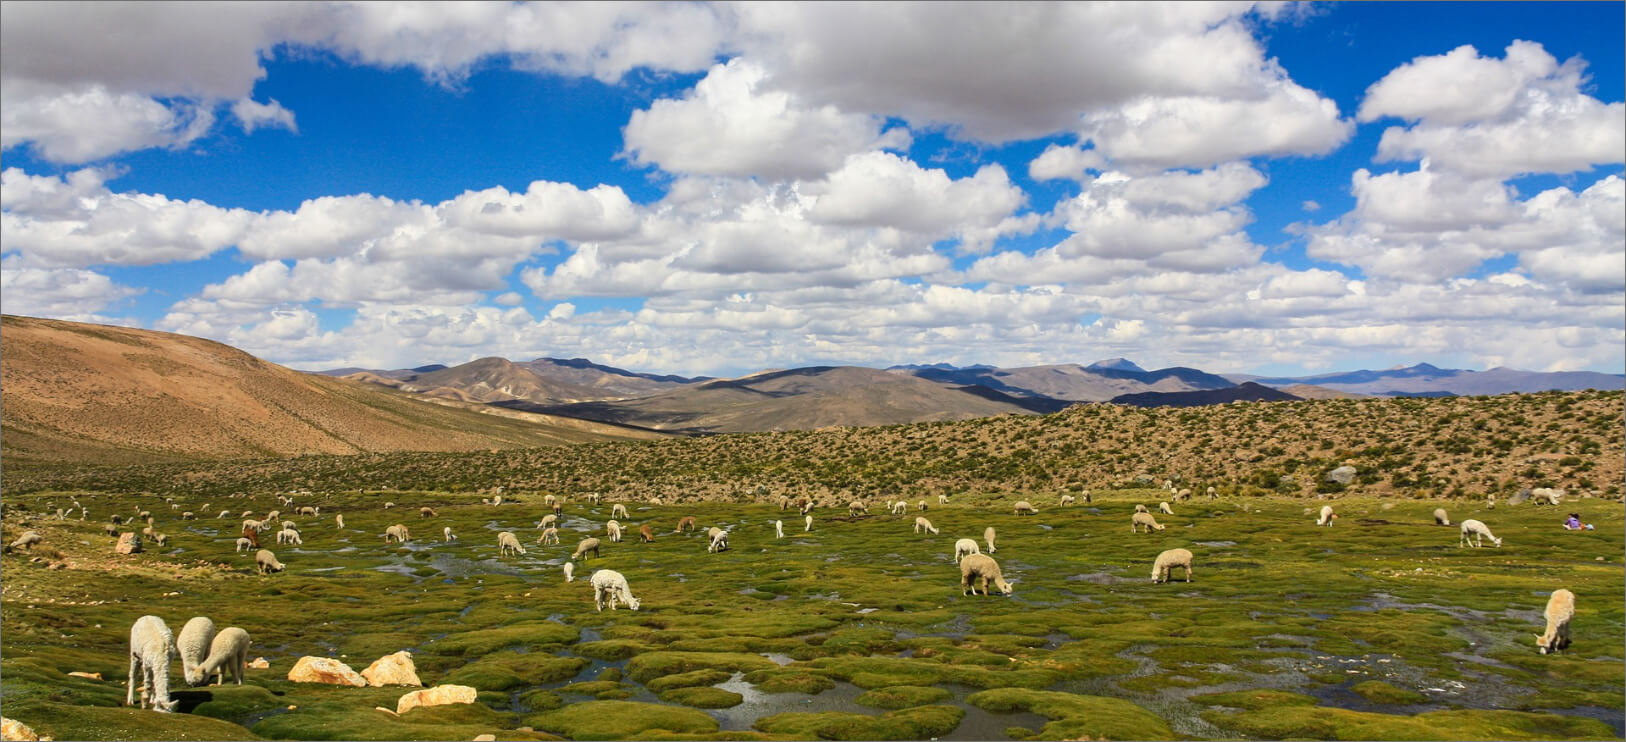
x=1427 y=380
x=542 y=381
x=821 y=396
x=80 y=392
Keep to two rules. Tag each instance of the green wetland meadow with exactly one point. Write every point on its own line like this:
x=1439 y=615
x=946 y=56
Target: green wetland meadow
x=1379 y=627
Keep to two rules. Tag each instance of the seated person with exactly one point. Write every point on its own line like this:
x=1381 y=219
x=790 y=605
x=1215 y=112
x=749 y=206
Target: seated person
x=1574 y=523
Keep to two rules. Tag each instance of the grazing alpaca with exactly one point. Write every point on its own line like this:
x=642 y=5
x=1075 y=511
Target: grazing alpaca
x=1560 y=609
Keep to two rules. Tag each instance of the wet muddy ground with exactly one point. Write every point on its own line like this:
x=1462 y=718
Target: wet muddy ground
x=1379 y=627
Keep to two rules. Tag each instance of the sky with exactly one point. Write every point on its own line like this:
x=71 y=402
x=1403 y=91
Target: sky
x=1271 y=188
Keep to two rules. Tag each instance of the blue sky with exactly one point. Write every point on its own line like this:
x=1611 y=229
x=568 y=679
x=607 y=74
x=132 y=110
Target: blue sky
x=1180 y=185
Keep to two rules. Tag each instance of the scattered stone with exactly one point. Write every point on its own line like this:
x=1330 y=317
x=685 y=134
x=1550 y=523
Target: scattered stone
x=259 y=663
x=486 y=738
x=325 y=670
x=91 y=675
x=1342 y=475
x=392 y=669
x=129 y=543
x=13 y=729
x=436 y=696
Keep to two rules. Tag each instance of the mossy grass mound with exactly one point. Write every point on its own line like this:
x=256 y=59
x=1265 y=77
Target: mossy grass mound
x=1077 y=716
x=1255 y=699
x=921 y=722
x=651 y=665
x=538 y=634
x=510 y=670
x=688 y=679
x=789 y=681
x=1319 y=722
x=622 y=720
x=704 y=697
x=1378 y=691
x=901 y=697
x=340 y=718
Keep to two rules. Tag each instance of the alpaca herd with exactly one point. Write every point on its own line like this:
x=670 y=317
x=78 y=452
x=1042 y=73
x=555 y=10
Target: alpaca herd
x=204 y=652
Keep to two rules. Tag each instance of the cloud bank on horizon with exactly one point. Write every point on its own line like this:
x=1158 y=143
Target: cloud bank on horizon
x=719 y=188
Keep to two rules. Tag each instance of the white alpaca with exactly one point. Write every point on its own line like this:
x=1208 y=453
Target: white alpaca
x=570 y=571
x=964 y=548
x=1167 y=561
x=1441 y=518
x=228 y=653
x=1164 y=508
x=1560 y=609
x=613 y=528
x=1326 y=517
x=942 y=499
x=619 y=511
x=983 y=567
x=151 y=645
x=550 y=535
x=244 y=543
x=266 y=562
x=507 y=542
x=1479 y=531
x=779 y=529
x=809 y=525
x=338 y=521
x=193 y=644
x=988 y=535
x=447 y=535
x=1023 y=507
x=719 y=540
x=921 y=524
x=610 y=586
x=899 y=508
x=1144 y=519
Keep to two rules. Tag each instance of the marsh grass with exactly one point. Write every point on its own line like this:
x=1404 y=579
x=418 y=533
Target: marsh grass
x=1388 y=612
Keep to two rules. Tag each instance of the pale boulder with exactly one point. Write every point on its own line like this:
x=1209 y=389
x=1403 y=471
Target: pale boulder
x=13 y=729
x=392 y=669
x=129 y=543
x=439 y=695
x=325 y=670
x=90 y=675
x=259 y=663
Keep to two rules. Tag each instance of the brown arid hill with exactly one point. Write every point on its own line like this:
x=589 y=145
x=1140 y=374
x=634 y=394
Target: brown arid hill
x=1070 y=382
x=1459 y=447
x=797 y=399
x=1311 y=391
x=496 y=380
x=74 y=392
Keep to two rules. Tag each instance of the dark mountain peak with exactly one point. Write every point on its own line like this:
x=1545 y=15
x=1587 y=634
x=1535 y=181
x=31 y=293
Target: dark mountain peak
x=587 y=365
x=1117 y=364
x=430 y=368
x=939 y=367
x=1244 y=392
